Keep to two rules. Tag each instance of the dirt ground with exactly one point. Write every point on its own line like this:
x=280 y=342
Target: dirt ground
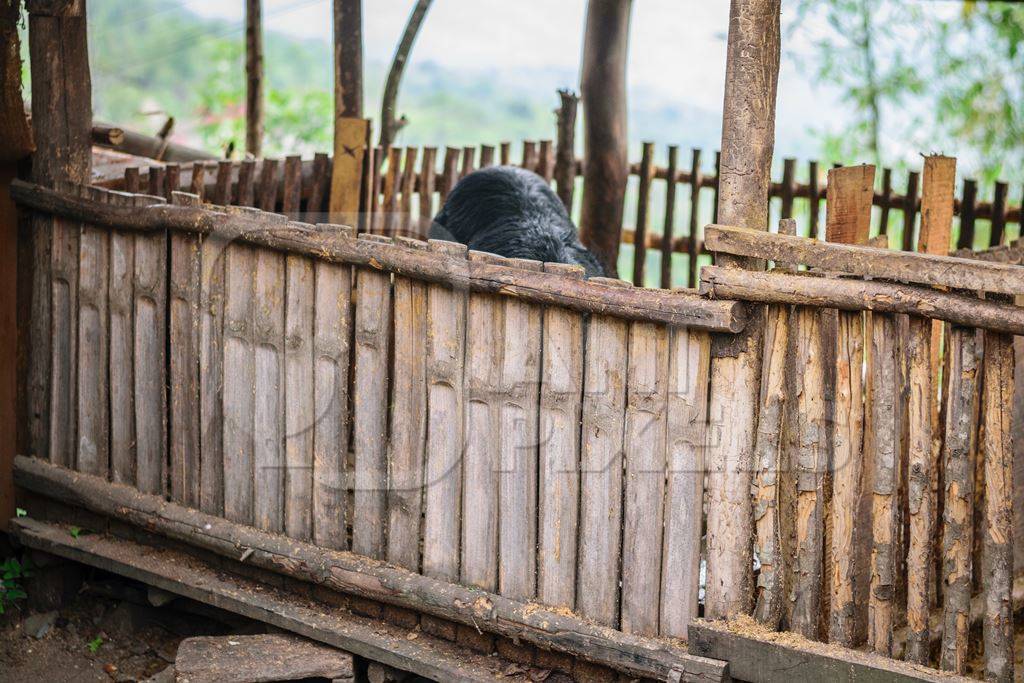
x=108 y=629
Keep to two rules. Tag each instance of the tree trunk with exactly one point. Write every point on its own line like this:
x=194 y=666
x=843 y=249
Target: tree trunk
x=348 y=58
x=388 y=125
x=748 y=139
x=253 y=76
x=605 y=152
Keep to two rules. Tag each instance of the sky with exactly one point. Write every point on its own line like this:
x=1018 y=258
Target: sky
x=677 y=47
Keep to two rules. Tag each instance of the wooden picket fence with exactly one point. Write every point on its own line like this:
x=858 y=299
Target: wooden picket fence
x=506 y=426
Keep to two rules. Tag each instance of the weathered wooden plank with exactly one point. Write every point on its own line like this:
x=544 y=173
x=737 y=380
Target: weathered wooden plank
x=266 y=189
x=468 y=161
x=602 y=437
x=486 y=156
x=150 y=339
x=921 y=507
x=426 y=188
x=884 y=459
x=197 y=179
x=669 y=223
x=62 y=382
x=372 y=339
x=212 y=257
x=642 y=211
x=545 y=161
x=92 y=449
x=958 y=509
x=392 y=181
x=265 y=657
x=407 y=442
x=927 y=269
x=238 y=384
x=686 y=434
x=185 y=425
x=997 y=548
x=291 y=195
x=518 y=395
x=484 y=350
x=645 y=464
x=407 y=189
x=350 y=148
x=767 y=656
x=319 y=187
x=558 y=497
x=445 y=353
x=222 y=184
x=246 y=194
x=449 y=172
x=122 y=384
x=268 y=391
x=332 y=341
x=300 y=417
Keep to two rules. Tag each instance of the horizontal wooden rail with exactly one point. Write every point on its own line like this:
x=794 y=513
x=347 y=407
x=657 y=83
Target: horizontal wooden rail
x=677 y=307
x=360 y=576
x=861 y=295
x=925 y=269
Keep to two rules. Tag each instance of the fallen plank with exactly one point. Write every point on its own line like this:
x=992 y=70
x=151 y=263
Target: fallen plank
x=184 y=575
x=355 y=575
x=761 y=656
x=264 y=657
x=925 y=269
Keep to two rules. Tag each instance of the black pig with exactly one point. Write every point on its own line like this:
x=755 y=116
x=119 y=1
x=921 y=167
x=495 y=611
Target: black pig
x=512 y=212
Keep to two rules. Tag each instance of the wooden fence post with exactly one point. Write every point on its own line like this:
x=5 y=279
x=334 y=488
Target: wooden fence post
x=253 y=77
x=748 y=139
x=565 y=148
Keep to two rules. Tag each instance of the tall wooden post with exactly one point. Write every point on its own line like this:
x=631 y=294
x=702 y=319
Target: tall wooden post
x=605 y=152
x=349 y=170
x=253 y=76
x=15 y=144
x=348 y=58
x=748 y=139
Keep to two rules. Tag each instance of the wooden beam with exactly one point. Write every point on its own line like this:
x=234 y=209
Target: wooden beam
x=253 y=76
x=349 y=573
x=861 y=295
x=943 y=271
x=748 y=140
x=184 y=575
x=756 y=654
x=679 y=307
x=258 y=658
x=605 y=152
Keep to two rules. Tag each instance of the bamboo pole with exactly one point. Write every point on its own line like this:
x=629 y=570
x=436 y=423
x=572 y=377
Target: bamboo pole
x=748 y=138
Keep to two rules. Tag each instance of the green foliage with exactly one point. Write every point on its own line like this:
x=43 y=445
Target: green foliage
x=95 y=644
x=13 y=571
x=75 y=531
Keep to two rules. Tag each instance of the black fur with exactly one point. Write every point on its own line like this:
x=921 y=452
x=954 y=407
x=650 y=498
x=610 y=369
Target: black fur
x=512 y=212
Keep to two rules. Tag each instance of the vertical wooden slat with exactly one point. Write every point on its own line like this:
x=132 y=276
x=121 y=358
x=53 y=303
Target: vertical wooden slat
x=391 y=187
x=643 y=505
x=291 y=196
x=848 y=221
x=372 y=339
x=150 y=308
x=505 y=153
x=546 y=161
x=603 y=429
x=246 y=194
x=157 y=182
x=788 y=187
x=93 y=334
x=449 y=173
x=197 y=181
x=484 y=346
x=997 y=546
x=408 y=188
x=910 y=210
x=319 y=184
x=717 y=186
x=376 y=188
x=518 y=414
x=885 y=202
x=122 y=383
x=222 y=185
x=445 y=351
x=428 y=171
x=486 y=156
x=642 y=210
x=967 y=212
x=300 y=416
x=354 y=164
x=919 y=490
x=239 y=379
x=668 y=226
x=883 y=440
x=689 y=357
x=998 y=214
x=186 y=271
x=560 y=401
x=332 y=330
x=958 y=510
x=693 y=240
x=813 y=198
x=529 y=155
x=253 y=76
x=407 y=441
x=266 y=191
x=173 y=180
x=468 y=161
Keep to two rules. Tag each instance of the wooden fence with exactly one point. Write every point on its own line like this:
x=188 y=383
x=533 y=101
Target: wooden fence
x=503 y=426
